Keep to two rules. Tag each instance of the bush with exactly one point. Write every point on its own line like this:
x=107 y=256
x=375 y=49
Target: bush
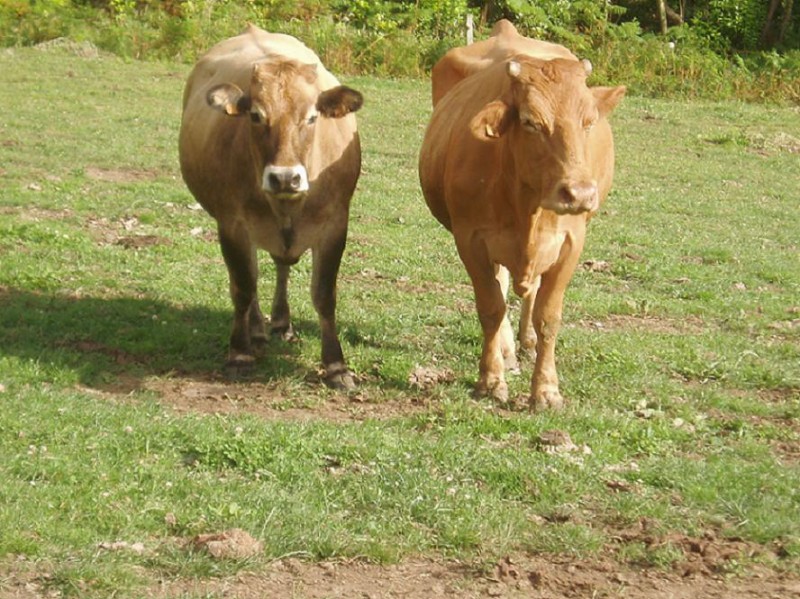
x=406 y=37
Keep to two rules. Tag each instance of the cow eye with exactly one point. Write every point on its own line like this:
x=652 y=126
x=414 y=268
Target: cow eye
x=255 y=116
x=531 y=125
x=312 y=118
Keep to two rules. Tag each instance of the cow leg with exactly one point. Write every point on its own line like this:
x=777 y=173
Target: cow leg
x=507 y=343
x=326 y=259
x=248 y=323
x=547 y=322
x=527 y=335
x=491 y=307
x=280 y=323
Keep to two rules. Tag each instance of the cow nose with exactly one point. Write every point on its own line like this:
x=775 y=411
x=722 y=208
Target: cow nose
x=285 y=179
x=579 y=197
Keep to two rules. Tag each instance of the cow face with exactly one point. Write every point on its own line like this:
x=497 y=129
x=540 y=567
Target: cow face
x=548 y=114
x=283 y=105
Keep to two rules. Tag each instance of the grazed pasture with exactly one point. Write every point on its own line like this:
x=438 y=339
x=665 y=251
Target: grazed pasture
x=121 y=442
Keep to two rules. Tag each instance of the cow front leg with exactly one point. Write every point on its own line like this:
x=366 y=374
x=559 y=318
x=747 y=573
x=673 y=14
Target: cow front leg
x=325 y=269
x=280 y=323
x=491 y=307
x=547 y=309
x=248 y=323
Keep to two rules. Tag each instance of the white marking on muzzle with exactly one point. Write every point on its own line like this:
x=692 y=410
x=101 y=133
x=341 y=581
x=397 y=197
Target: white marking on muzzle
x=285 y=180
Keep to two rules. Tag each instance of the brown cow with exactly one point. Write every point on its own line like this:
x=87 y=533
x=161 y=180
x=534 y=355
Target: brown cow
x=269 y=147
x=517 y=157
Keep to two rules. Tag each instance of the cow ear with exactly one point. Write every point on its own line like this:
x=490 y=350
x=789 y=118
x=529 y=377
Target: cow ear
x=607 y=98
x=493 y=120
x=339 y=101
x=228 y=98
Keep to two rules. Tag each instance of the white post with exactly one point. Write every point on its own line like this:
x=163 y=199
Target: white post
x=470 y=29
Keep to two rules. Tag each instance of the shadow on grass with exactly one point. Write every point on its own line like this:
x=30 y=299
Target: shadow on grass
x=115 y=343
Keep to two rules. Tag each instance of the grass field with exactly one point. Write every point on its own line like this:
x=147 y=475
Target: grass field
x=679 y=356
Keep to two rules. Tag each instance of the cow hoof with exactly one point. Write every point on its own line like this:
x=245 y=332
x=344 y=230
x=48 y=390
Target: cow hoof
x=284 y=333
x=511 y=364
x=239 y=366
x=340 y=378
x=547 y=399
x=497 y=390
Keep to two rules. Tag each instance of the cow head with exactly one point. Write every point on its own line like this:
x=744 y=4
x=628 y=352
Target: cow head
x=283 y=105
x=547 y=114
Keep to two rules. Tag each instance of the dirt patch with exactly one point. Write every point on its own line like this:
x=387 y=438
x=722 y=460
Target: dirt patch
x=526 y=576
x=35 y=213
x=231 y=544
x=119 y=175
x=136 y=242
x=269 y=401
x=125 y=232
x=650 y=324
x=533 y=577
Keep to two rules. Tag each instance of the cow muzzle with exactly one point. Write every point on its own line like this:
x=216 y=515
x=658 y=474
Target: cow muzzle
x=575 y=198
x=285 y=181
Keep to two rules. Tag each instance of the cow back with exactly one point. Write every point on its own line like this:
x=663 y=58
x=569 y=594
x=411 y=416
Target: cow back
x=504 y=43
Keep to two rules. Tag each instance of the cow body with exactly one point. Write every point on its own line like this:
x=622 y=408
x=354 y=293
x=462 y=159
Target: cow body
x=269 y=147
x=517 y=157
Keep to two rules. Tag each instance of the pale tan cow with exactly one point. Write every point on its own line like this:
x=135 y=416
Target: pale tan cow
x=269 y=147
x=517 y=157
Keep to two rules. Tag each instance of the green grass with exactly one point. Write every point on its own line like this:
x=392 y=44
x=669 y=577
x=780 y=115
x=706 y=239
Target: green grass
x=681 y=361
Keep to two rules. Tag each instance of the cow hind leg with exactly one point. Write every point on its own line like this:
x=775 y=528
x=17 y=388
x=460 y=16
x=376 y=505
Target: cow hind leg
x=325 y=269
x=280 y=324
x=527 y=334
x=240 y=258
x=507 y=343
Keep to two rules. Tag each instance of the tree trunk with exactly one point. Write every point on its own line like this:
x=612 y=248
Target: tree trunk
x=662 y=15
x=765 y=41
x=674 y=17
x=787 y=18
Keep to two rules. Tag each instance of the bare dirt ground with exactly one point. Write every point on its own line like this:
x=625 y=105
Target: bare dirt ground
x=534 y=577
x=530 y=577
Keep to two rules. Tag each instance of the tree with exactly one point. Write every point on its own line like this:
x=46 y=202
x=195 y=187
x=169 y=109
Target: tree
x=772 y=34
x=662 y=15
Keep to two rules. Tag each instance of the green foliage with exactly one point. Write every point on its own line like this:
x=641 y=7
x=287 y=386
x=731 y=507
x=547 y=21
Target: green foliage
x=731 y=24
x=561 y=18
x=406 y=37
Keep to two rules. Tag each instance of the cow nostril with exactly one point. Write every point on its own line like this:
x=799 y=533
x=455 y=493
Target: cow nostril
x=274 y=182
x=296 y=181
x=567 y=195
x=579 y=196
